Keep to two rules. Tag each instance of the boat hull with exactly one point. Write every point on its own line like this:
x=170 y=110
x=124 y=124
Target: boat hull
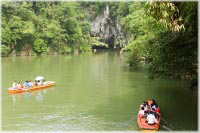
x=32 y=88
x=144 y=126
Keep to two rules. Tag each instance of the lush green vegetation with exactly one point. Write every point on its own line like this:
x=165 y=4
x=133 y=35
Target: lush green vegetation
x=44 y=27
x=165 y=35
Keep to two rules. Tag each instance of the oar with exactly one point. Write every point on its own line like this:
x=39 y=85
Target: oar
x=165 y=127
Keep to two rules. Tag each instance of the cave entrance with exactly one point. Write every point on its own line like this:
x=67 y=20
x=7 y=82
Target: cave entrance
x=110 y=41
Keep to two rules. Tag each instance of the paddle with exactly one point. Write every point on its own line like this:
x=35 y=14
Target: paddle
x=165 y=127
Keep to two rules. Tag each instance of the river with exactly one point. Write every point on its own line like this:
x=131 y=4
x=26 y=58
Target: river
x=93 y=92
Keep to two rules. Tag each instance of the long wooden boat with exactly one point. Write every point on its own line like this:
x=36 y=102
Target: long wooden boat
x=32 y=88
x=144 y=126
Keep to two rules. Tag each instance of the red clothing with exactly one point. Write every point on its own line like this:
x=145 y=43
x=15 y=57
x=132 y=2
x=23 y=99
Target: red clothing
x=157 y=110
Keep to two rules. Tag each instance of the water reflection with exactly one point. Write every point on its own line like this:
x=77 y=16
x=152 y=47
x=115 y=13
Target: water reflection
x=27 y=95
x=38 y=95
x=14 y=98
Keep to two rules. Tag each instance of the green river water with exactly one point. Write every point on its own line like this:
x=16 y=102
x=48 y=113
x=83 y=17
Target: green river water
x=93 y=92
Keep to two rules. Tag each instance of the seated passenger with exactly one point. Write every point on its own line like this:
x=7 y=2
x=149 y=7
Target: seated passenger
x=148 y=107
x=145 y=102
x=153 y=104
x=30 y=83
x=149 y=102
x=151 y=120
x=35 y=82
x=157 y=109
x=39 y=82
x=26 y=84
x=155 y=113
x=141 y=111
x=43 y=82
x=145 y=114
x=14 y=85
x=145 y=107
x=18 y=86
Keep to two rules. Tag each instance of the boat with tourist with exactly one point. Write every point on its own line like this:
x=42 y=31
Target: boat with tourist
x=39 y=83
x=149 y=116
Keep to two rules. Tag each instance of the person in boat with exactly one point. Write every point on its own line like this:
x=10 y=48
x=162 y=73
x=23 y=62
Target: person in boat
x=151 y=120
x=142 y=105
x=146 y=113
x=145 y=103
x=39 y=82
x=141 y=112
x=43 y=82
x=18 y=86
x=14 y=85
x=26 y=84
x=155 y=113
x=145 y=106
x=153 y=104
x=30 y=83
x=157 y=109
x=36 y=83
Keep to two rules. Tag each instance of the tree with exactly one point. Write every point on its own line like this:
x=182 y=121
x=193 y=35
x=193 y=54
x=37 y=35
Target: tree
x=165 y=33
x=40 y=46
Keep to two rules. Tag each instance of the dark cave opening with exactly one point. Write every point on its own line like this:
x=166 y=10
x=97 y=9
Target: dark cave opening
x=110 y=41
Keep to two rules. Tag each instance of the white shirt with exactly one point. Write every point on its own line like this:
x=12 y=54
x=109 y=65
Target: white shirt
x=145 y=108
x=151 y=119
x=14 y=85
x=18 y=85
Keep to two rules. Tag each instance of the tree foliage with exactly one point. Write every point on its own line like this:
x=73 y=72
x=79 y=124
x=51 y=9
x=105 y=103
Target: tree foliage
x=165 y=34
x=4 y=50
x=40 y=26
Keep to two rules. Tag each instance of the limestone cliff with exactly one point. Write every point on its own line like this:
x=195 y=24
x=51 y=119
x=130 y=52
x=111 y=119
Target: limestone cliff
x=109 y=30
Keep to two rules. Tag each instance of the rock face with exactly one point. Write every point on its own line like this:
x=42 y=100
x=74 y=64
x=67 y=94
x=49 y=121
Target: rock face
x=108 y=30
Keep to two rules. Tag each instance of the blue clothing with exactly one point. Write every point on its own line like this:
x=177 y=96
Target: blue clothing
x=26 y=84
x=30 y=84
